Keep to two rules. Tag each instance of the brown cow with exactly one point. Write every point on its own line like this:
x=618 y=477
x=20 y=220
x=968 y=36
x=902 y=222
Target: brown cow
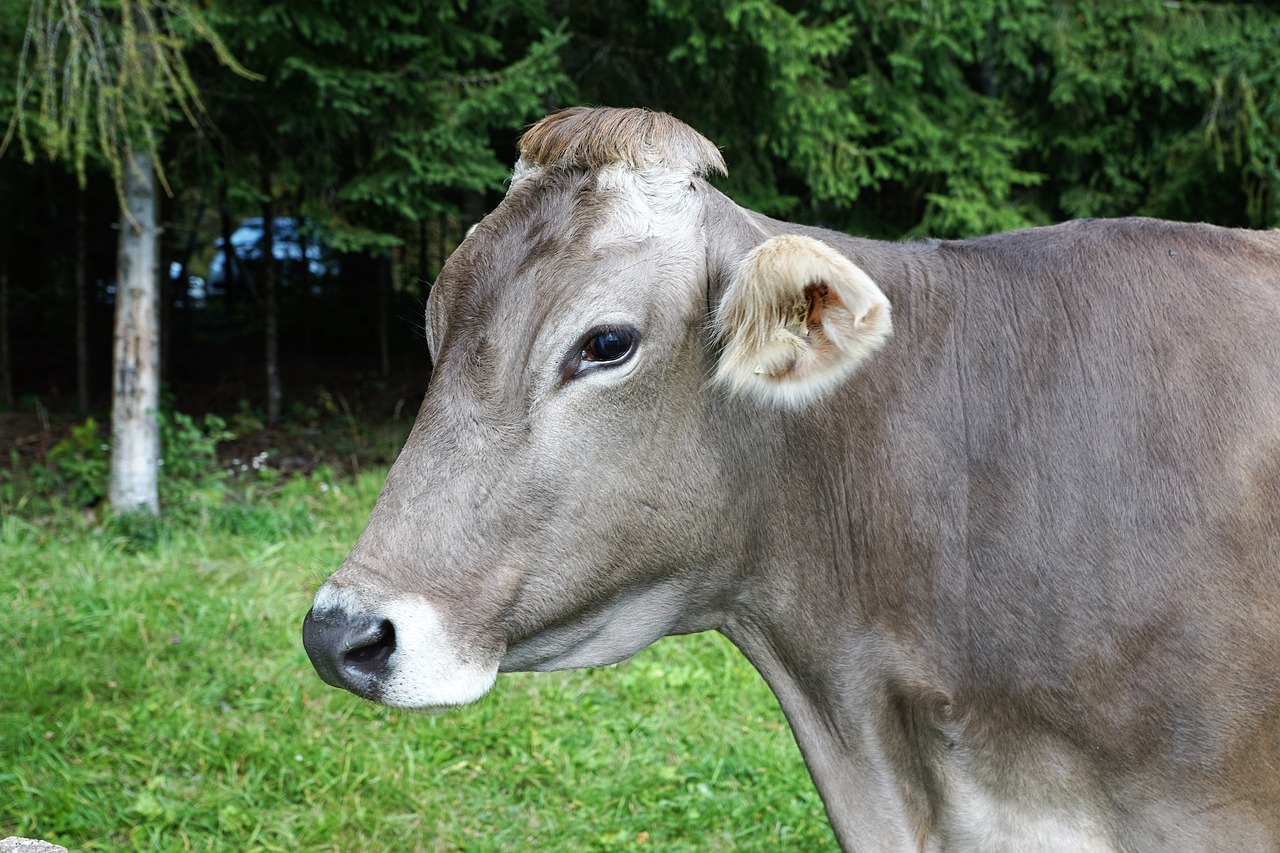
x=1010 y=560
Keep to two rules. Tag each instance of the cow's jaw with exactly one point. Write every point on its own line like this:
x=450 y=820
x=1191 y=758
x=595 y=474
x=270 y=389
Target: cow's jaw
x=398 y=653
x=609 y=633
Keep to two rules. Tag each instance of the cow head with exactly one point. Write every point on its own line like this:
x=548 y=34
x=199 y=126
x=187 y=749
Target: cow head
x=582 y=478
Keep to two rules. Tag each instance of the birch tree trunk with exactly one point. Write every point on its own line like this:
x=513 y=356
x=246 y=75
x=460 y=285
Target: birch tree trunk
x=135 y=386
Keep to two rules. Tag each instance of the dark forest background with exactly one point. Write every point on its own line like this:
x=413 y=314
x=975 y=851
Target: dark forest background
x=372 y=134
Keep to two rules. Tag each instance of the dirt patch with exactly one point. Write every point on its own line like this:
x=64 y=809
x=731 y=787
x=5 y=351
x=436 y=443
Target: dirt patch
x=26 y=437
x=348 y=425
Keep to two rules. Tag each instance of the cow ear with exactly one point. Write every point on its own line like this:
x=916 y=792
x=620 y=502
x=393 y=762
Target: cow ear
x=798 y=318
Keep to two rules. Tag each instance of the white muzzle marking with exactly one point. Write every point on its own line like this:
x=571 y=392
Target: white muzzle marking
x=427 y=671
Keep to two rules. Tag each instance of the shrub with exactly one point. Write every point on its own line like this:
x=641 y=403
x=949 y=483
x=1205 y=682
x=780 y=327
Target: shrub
x=78 y=465
x=76 y=471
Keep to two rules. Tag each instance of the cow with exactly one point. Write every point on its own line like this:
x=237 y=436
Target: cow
x=997 y=519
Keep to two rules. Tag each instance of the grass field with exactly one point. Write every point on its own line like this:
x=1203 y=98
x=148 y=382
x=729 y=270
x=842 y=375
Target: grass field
x=155 y=696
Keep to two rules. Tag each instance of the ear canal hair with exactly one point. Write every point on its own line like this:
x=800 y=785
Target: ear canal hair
x=798 y=319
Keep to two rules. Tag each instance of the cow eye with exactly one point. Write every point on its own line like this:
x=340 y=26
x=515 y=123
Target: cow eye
x=609 y=345
x=606 y=347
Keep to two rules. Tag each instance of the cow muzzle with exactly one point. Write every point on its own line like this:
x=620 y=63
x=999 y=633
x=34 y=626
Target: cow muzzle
x=351 y=654
x=396 y=652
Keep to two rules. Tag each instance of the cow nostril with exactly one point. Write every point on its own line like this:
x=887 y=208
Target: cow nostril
x=369 y=652
x=353 y=654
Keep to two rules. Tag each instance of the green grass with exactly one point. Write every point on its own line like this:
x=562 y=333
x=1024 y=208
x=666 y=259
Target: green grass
x=155 y=696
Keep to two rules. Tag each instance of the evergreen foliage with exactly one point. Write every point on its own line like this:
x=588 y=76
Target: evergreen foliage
x=390 y=125
x=892 y=118
x=104 y=76
x=382 y=114
x=889 y=118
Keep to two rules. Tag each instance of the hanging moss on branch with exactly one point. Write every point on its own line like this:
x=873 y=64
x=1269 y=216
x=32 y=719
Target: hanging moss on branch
x=104 y=77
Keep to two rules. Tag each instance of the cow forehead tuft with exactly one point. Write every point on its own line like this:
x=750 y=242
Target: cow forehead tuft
x=592 y=138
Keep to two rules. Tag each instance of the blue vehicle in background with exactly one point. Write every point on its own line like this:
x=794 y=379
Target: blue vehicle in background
x=297 y=246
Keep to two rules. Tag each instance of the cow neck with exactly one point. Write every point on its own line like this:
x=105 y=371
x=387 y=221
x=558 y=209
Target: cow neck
x=852 y=763
x=815 y=615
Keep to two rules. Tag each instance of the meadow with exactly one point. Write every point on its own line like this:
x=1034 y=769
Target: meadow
x=156 y=697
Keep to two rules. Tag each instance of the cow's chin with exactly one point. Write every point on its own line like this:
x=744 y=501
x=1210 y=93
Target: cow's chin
x=604 y=635
x=410 y=691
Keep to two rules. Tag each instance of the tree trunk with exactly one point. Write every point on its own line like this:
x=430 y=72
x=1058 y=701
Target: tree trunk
x=271 y=313
x=176 y=316
x=135 y=386
x=304 y=286
x=230 y=263
x=422 y=253
x=384 y=296
x=82 y=310
x=6 y=372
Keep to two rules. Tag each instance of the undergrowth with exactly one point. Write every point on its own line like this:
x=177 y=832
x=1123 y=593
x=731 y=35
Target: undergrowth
x=75 y=473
